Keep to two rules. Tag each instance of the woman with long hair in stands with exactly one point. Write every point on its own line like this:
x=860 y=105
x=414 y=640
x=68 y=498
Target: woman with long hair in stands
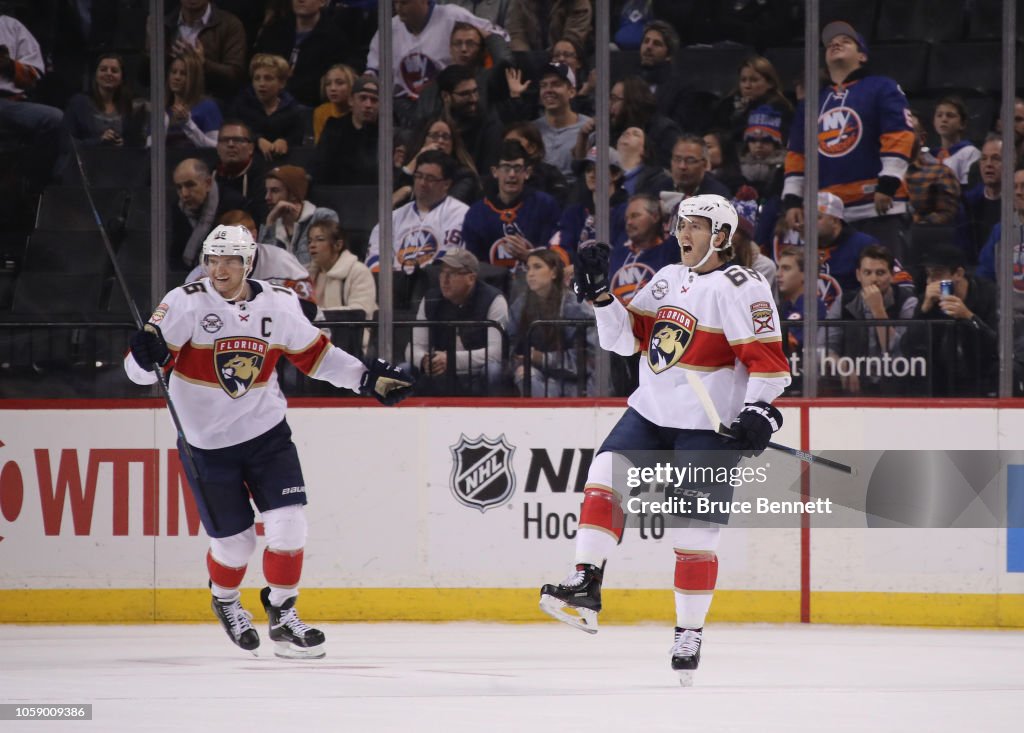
x=440 y=133
x=193 y=119
x=757 y=85
x=561 y=357
x=107 y=115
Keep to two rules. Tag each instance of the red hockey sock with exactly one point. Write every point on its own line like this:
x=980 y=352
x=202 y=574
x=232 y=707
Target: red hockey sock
x=601 y=510
x=696 y=571
x=282 y=569
x=222 y=575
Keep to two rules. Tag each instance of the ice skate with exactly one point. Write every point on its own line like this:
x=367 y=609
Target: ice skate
x=237 y=622
x=292 y=638
x=577 y=600
x=686 y=654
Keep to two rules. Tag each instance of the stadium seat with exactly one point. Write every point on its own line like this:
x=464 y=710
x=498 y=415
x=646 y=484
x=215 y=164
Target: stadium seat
x=356 y=205
x=985 y=21
x=81 y=253
x=67 y=207
x=920 y=20
x=788 y=63
x=303 y=156
x=968 y=65
x=861 y=14
x=712 y=69
x=907 y=63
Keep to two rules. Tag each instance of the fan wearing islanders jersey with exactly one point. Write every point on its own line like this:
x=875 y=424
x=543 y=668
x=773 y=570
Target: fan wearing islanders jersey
x=639 y=251
x=705 y=316
x=865 y=139
x=223 y=335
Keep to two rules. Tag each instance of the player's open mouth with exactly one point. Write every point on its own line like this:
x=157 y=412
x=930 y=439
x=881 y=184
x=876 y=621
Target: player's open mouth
x=687 y=248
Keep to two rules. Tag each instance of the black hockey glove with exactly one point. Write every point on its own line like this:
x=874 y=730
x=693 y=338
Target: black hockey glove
x=591 y=272
x=389 y=384
x=753 y=427
x=149 y=348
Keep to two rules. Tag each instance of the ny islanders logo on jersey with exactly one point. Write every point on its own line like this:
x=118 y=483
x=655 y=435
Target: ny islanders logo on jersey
x=839 y=131
x=238 y=362
x=673 y=329
x=630 y=279
x=416 y=70
x=482 y=475
x=417 y=249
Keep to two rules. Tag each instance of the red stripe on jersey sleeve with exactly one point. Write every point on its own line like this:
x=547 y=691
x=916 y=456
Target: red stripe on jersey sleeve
x=642 y=324
x=309 y=358
x=762 y=357
x=709 y=349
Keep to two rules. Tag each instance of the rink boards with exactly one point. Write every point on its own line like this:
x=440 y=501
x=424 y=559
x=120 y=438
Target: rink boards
x=440 y=511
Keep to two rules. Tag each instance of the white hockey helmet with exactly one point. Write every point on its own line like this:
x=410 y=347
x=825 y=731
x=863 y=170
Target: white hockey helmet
x=715 y=209
x=232 y=241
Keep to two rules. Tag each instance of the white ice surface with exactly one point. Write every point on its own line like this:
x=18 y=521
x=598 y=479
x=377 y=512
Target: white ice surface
x=523 y=678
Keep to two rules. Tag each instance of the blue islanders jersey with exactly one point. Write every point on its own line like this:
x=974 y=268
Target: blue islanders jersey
x=487 y=223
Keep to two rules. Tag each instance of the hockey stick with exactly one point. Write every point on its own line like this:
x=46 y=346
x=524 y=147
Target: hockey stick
x=712 y=413
x=161 y=377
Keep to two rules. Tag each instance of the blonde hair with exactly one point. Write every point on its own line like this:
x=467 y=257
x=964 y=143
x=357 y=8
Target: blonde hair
x=277 y=64
x=347 y=71
x=194 y=87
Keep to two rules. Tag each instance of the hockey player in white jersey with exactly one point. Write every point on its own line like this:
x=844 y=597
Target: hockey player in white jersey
x=223 y=336
x=704 y=315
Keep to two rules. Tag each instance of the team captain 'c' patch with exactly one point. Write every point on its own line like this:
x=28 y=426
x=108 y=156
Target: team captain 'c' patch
x=238 y=362
x=671 y=334
x=761 y=317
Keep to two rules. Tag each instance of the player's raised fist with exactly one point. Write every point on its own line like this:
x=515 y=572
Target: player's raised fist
x=149 y=348
x=389 y=384
x=591 y=271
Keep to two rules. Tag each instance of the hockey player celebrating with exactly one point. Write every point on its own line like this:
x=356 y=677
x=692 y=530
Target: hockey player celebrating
x=705 y=315
x=223 y=335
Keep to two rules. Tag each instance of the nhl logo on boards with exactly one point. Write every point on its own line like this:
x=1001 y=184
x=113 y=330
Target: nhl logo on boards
x=238 y=363
x=671 y=334
x=482 y=475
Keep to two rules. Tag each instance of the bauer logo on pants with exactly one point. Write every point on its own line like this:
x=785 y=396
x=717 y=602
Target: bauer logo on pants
x=482 y=475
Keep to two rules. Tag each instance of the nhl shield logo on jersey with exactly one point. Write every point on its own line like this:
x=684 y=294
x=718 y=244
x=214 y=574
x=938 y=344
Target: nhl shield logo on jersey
x=238 y=362
x=673 y=329
x=482 y=475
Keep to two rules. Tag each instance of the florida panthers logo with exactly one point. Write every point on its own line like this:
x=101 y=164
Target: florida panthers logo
x=239 y=362
x=839 y=131
x=417 y=249
x=672 y=332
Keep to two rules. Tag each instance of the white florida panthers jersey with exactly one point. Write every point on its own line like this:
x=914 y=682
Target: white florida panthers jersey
x=420 y=237
x=723 y=325
x=224 y=383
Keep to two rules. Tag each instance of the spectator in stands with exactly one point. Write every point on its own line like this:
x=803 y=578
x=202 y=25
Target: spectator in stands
x=987 y=258
x=336 y=87
x=758 y=86
x=430 y=224
x=641 y=249
x=674 y=98
x=1018 y=128
x=723 y=159
x=543 y=176
x=535 y=25
x=689 y=171
x=559 y=126
x=512 y=219
x=346 y=154
x=933 y=187
x=453 y=359
x=479 y=128
x=340 y=280
x=791 y=296
x=982 y=203
x=273 y=264
x=272 y=114
x=554 y=352
x=950 y=121
x=468 y=47
x=305 y=36
x=441 y=134
x=21 y=67
x=963 y=359
x=107 y=114
x=639 y=174
x=568 y=51
x=420 y=48
x=240 y=169
x=216 y=36
x=863 y=163
x=201 y=203
x=763 y=155
x=877 y=299
x=494 y=11
x=193 y=119
x=577 y=226
x=746 y=252
x=633 y=105
x=289 y=214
